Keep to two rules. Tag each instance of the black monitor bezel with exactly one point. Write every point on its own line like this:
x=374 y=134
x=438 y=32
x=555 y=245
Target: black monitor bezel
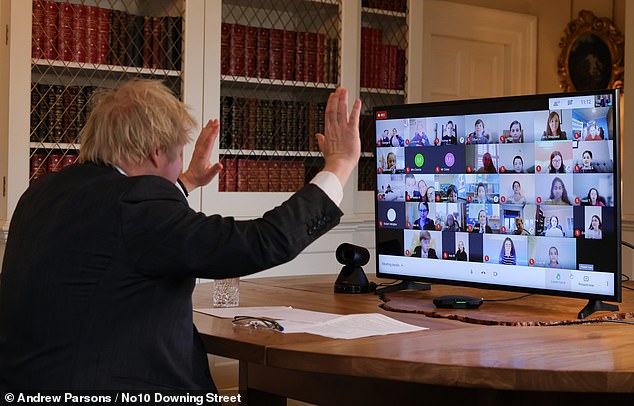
x=508 y=104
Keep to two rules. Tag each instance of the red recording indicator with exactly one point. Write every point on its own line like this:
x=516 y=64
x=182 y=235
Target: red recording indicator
x=531 y=261
x=503 y=199
x=436 y=141
x=470 y=228
x=577 y=168
x=502 y=169
x=469 y=169
x=577 y=200
x=407 y=170
x=407 y=197
x=379 y=143
x=406 y=142
x=503 y=229
x=538 y=168
x=486 y=258
x=577 y=233
x=469 y=198
x=468 y=140
x=438 y=227
x=445 y=255
x=407 y=253
x=380 y=224
x=577 y=135
x=437 y=198
x=408 y=225
x=380 y=170
x=502 y=139
x=380 y=197
x=539 y=200
x=438 y=169
x=381 y=115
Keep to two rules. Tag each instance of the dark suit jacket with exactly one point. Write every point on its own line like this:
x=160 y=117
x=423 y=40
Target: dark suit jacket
x=99 y=269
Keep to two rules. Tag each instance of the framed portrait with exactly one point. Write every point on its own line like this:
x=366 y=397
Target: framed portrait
x=592 y=54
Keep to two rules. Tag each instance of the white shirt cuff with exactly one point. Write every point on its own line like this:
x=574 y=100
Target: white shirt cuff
x=329 y=183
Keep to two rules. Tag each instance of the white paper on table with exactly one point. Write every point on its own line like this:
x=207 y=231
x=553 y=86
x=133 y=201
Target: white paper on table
x=324 y=324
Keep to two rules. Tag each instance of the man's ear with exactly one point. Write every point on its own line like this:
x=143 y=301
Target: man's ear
x=154 y=157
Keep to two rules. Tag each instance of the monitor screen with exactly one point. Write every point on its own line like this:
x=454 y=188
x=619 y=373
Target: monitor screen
x=516 y=193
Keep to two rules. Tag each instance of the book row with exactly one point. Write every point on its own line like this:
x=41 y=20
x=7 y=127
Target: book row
x=391 y=5
x=382 y=65
x=82 y=33
x=278 y=54
x=260 y=175
x=58 y=113
x=49 y=161
x=280 y=125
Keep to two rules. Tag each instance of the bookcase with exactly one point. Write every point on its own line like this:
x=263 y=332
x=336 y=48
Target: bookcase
x=78 y=48
x=279 y=60
x=382 y=74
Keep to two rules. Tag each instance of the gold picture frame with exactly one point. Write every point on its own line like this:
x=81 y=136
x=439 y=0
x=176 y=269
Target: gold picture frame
x=592 y=54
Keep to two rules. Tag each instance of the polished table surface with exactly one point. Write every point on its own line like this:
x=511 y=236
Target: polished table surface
x=492 y=364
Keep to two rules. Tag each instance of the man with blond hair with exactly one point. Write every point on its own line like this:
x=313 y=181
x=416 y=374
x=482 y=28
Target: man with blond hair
x=102 y=257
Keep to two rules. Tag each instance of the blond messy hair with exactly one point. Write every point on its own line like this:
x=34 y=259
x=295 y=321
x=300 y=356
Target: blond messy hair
x=128 y=123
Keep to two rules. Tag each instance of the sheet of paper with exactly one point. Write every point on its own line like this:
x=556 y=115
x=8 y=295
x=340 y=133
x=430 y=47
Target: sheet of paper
x=324 y=324
x=361 y=325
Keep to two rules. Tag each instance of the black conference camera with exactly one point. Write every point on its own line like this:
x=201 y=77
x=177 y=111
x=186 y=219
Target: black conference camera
x=352 y=279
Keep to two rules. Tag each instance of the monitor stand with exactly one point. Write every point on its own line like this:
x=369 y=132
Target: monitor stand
x=403 y=285
x=596 y=306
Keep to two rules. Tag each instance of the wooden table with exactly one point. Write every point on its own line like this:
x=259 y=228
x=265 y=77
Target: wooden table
x=451 y=362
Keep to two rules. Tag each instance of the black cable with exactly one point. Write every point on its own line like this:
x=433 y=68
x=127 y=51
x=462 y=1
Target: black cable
x=509 y=299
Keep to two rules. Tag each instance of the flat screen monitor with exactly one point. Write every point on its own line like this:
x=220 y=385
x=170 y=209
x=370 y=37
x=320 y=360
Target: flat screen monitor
x=515 y=193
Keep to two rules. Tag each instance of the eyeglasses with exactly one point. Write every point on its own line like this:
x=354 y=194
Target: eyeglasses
x=257 y=322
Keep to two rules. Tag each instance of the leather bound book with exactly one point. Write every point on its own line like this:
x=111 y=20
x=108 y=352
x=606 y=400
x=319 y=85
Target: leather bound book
x=237 y=57
x=385 y=67
x=242 y=175
x=134 y=44
x=158 y=45
x=222 y=176
x=299 y=56
x=251 y=120
x=118 y=24
x=174 y=42
x=80 y=33
x=225 y=121
x=69 y=115
x=225 y=48
x=310 y=57
x=288 y=55
x=275 y=53
x=262 y=174
x=147 y=41
x=103 y=35
x=37 y=165
x=262 y=57
x=231 y=169
x=36 y=99
x=69 y=159
x=92 y=34
x=251 y=51
x=37 y=29
x=401 y=62
x=319 y=61
x=274 y=176
x=54 y=162
x=366 y=48
x=65 y=32
x=49 y=40
x=376 y=61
